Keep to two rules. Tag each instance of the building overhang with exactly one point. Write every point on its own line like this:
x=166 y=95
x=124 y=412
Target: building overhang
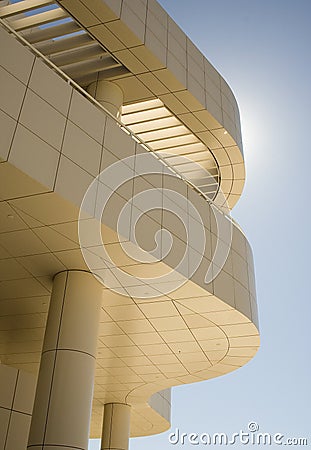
x=140 y=48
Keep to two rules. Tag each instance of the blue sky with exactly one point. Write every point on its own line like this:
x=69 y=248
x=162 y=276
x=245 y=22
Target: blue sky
x=262 y=49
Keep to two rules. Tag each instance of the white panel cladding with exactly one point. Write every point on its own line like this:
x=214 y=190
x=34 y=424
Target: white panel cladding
x=71 y=178
x=161 y=402
x=17 y=391
x=71 y=172
x=21 y=64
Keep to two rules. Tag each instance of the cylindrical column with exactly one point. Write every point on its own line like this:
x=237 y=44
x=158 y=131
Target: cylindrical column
x=108 y=94
x=62 y=408
x=116 y=426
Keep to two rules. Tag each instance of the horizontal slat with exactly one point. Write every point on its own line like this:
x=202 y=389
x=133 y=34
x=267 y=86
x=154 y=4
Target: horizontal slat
x=173 y=142
x=204 y=181
x=38 y=19
x=157 y=124
x=87 y=67
x=109 y=74
x=184 y=149
x=141 y=106
x=148 y=115
x=214 y=184
x=22 y=7
x=35 y=36
x=212 y=189
x=52 y=47
x=78 y=55
x=204 y=156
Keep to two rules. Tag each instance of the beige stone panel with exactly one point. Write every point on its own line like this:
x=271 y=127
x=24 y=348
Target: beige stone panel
x=8 y=378
x=117 y=141
x=175 y=45
x=87 y=116
x=224 y=137
x=36 y=434
x=131 y=62
x=190 y=101
x=103 y=34
x=58 y=93
x=77 y=314
x=133 y=16
x=212 y=73
x=82 y=149
x=42 y=119
x=239 y=171
x=48 y=208
x=124 y=33
x=153 y=83
x=34 y=156
x=242 y=351
x=10 y=269
x=83 y=13
x=226 y=317
x=9 y=219
x=4 y=423
x=133 y=89
x=7 y=126
x=45 y=265
x=242 y=299
x=245 y=341
x=12 y=93
x=212 y=89
x=241 y=329
x=157 y=26
x=196 y=87
x=51 y=333
x=240 y=269
x=116 y=426
x=20 y=66
x=254 y=309
x=22 y=243
x=72 y=182
x=139 y=7
x=224 y=288
x=239 y=242
x=166 y=77
x=215 y=110
x=54 y=240
x=73 y=428
x=105 y=12
x=18 y=431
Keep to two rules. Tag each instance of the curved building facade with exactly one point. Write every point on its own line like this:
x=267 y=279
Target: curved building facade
x=122 y=271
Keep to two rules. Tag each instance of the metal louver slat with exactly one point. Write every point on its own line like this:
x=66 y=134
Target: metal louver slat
x=51 y=47
x=38 y=19
x=87 y=67
x=35 y=36
x=22 y=7
x=64 y=42
x=109 y=74
x=78 y=55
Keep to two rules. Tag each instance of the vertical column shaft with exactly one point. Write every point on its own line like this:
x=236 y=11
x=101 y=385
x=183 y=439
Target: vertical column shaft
x=109 y=94
x=62 y=408
x=116 y=426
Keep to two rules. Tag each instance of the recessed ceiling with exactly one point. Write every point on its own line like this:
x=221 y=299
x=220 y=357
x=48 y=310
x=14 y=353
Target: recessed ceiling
x=167 y=136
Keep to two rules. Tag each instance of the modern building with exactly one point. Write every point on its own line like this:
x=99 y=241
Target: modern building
x=122 y=272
